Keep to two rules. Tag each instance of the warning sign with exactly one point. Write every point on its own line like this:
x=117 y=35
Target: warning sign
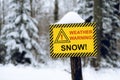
x=73 y=40
x=62 y=37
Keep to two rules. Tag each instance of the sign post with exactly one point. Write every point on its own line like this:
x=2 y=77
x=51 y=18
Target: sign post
x=76 y=68
x=74 y=41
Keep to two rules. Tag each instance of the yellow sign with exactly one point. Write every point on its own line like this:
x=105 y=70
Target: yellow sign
x=73 y=40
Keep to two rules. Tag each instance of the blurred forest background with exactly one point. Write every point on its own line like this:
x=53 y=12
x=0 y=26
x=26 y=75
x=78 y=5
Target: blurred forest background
x=24 y=29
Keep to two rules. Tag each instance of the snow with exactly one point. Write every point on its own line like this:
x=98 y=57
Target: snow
x=71 y=17
x=15 y=73
x=18 y=19
x=24 y=33
x=36 y=46
x=13 y=34
x=28 y=45
x=7 y=27
x=103 y=74
x=33 y=26
x=25 y=17
x=11 y=72
x=11 y=44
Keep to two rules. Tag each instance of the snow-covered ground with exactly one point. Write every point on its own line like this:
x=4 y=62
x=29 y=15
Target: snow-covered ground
x=29 y=73
x=103 y=74
x=49 y=73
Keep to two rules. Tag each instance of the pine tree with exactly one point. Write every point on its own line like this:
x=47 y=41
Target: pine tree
x=85 y=9
x=110 y=35
x=110 y=25
x=20 y=34
x=2 y=47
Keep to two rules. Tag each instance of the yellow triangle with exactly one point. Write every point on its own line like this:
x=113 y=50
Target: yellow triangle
x=62 y=37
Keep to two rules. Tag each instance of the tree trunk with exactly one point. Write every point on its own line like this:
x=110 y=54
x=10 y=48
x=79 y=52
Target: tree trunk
x=0 y=18
x=21 y=9
x=56 y=11
x=32 y=11
x=3 y=13
x=95 y=62
x=76 y=68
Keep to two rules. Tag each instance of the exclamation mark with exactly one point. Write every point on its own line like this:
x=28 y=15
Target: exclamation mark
x=61 y=37
x=85 y=46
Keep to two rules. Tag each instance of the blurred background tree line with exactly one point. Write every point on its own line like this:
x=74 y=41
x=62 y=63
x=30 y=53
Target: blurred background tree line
x=24 y=29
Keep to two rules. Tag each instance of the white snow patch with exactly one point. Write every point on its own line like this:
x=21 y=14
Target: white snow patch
x=37 y=46
x=13 y=34
x=103 y=74
x=25 y=18
x=35 y=21
x=29 y=73
x=18 y=19
x=33 y=26
x=71 y=17
x=24 y=33
x=28 y=45
x=11 y=44
x=7 y=27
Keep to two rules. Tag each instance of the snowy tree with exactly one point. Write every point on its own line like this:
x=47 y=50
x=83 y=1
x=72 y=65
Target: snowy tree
x=56 y=10
x=85 y=9
x=110 y=35
x=2 y=47
x=110 y=25
x=20 y=34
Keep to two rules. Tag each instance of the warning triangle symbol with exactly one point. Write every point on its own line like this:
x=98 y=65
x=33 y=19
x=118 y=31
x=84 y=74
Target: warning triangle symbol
x=62 y=37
